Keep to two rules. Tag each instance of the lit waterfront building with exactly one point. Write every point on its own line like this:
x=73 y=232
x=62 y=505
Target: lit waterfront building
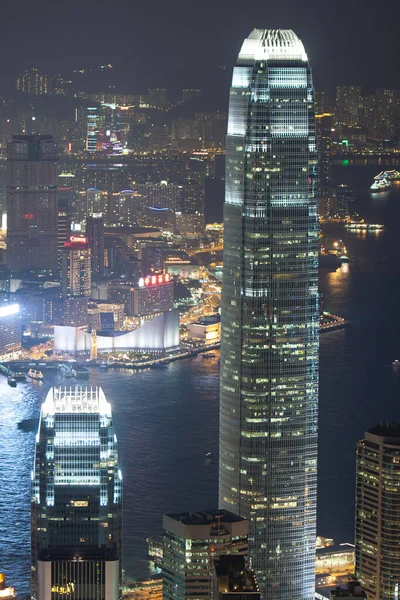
x=270 y=322
x=76 y=276
x=76 y=499
x=378 y=512
x=10 y=328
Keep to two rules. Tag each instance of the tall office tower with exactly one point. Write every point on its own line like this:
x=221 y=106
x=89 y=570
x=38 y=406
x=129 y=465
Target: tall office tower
x=76 y=499
x=64 y=213
x=31 y=203
x=324 y=130
x=378 y=512
x=76 y=273
x=92 y=120
x=270 y=323
x=192 y=541
x=95 y=238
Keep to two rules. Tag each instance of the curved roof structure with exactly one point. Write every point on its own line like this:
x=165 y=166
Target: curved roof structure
x=272 y=44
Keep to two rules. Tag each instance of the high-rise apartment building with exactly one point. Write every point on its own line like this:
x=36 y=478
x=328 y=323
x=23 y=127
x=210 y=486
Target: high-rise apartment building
x=34 y=82
x=76 y=275
x=32 y=203
x=76 y=499
x=191 y=543
x=95 y=238
x=270 y=321
x=378 y=512
x=349 y=105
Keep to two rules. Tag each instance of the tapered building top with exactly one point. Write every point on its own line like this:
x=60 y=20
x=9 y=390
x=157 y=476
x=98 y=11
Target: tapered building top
x=272 y=44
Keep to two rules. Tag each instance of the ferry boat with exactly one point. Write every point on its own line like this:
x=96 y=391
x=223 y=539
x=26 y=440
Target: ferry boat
x=82 y=373
x=391 y=175
x=34 y=374
x=67 y=371
x=208 y=355
x=12 y=381
x=380 y=185
x=19 y=376
x=357 y=225
x=396 y=363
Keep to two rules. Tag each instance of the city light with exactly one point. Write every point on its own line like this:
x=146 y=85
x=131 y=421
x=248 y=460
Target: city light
x=7 y=311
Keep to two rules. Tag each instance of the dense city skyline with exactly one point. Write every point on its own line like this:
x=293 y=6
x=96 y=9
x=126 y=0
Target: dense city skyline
x=118 y=157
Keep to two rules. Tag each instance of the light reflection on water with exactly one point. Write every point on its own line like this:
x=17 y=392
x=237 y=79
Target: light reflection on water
x=167 y=420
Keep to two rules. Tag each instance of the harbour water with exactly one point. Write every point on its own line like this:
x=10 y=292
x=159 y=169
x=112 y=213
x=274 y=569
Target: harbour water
x=167 y=419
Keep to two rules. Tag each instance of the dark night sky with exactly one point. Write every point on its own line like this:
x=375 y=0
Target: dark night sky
x=348 y=41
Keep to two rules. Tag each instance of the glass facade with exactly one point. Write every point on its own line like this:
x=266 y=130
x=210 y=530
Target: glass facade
x=270 y=323
x=76 y=487
x=378 y=511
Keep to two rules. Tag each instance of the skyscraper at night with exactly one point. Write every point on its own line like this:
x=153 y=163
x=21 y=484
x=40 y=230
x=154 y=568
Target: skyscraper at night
x=378 y=512
x=270 y=324
x=32 y=203
x=95 y=237
x=76 y=499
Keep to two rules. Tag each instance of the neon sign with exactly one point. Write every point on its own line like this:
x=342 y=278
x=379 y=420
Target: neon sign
x=76 y=239
x=154 y=280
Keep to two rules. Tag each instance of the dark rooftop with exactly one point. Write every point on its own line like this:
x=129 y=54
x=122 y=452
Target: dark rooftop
x=240 y=579
x=206 y=517
x=386 y=429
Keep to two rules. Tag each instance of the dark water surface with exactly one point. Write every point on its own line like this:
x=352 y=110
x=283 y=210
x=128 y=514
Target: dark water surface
x=167 y=420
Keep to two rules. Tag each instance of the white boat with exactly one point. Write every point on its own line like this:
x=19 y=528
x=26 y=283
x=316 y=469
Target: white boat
x=380 y=185
x=34 y=374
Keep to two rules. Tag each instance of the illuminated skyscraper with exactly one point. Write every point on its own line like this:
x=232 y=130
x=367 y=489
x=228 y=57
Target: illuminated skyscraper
x=31 y=203
x=76 y=276
x=378 y=512
x=95 y=237
x=270 y=323
x=76 y=499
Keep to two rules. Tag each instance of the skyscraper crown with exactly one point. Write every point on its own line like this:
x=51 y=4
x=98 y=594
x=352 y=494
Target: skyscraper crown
x=272 y=44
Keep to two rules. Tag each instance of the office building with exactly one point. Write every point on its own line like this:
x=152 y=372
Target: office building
x=76 y=277
x=191 y=542
x=324 y=130
x=76 y=499
x=10 y=328
x=378 y=512
x=64 y=214
x=32 y=204
x=269 y=311
x=92 y=119
x=99 y=314
x=154 y=294
x=95 y=238
x=233 y=580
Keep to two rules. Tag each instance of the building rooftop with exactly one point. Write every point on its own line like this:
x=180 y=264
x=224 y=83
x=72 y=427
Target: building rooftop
x=386 y=429
x=272 y=44
x=76 y=399
x=206 y=518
